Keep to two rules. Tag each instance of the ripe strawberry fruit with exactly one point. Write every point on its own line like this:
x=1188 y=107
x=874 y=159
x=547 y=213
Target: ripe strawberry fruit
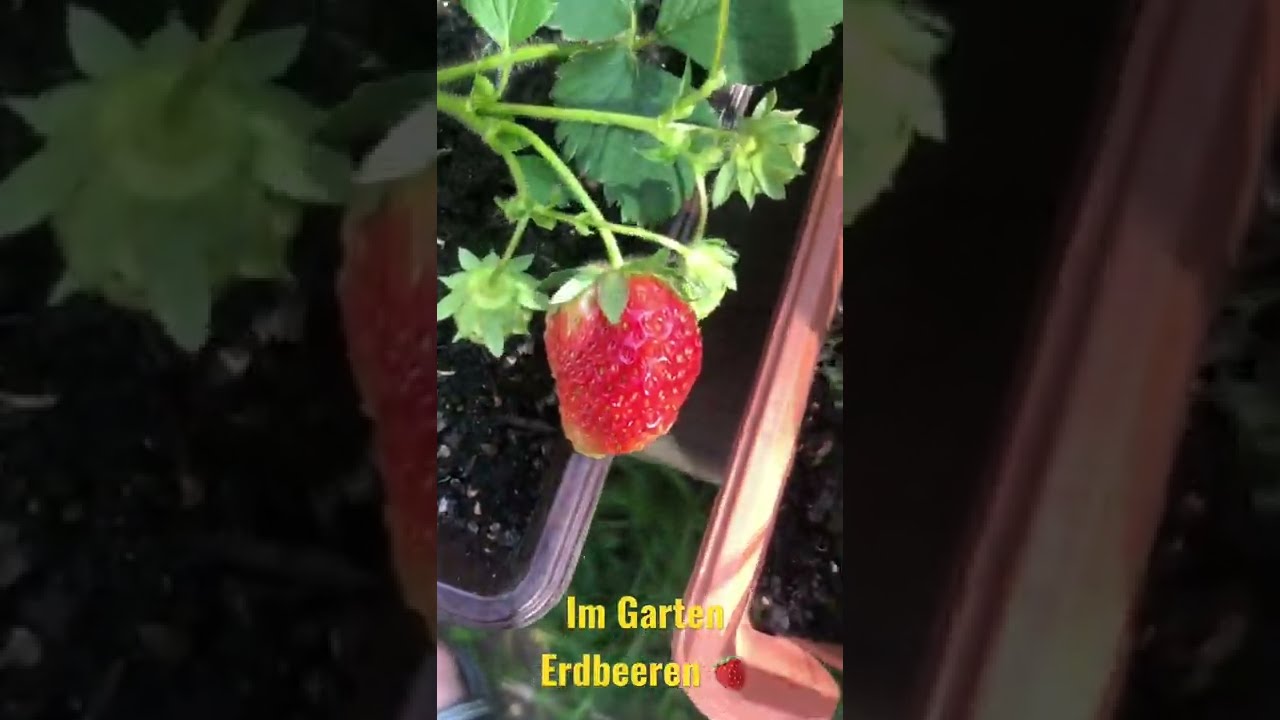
x=621 y=385
x=386 y=289
x=731 y=673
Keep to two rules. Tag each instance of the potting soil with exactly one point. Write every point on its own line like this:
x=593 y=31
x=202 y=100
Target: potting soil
x=801 y=589
x=193 y=537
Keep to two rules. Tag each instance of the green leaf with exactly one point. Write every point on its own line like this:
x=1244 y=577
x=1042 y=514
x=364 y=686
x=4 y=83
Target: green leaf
x=173 y=41
x=572 y=288
x=556 y=279
x=408 y=150
x=593 y=20
x=309 y=173
x=774 y=168
x=545 y=186
x=57 y=110
x=92 y=227
x=614 y=293
x=178 y=289
x=492 y=336
x=571 y=282
x=489 y=300
x=266 y=55
x=37 y=187
x=520 y=263
x=613 y=80
x=707 y=274
x=98 y=48
x=902 y=30
x=888 y=68
x=374 y=107
x=510 y=22
x=766 y=39
x=467 y=259
x=448 y=306
x=300 y=117
x=872 y=158
x=726 y=182
x=928 y=115
x=483 y=92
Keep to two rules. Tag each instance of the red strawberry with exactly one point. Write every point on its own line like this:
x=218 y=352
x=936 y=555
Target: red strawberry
x=622 y=385
x=386 y=289
x=731 y=673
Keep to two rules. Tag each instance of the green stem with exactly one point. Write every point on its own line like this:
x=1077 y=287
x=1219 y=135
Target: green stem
x=514 y=242
x=504 y=79
x=522 y=188
x=517 y=172
x=640 y=123
x=703 y=208
x=629 y=230
x=221 y=31
x=528 y=53
x=455 y=107
x=575 y=186
x=722 y=31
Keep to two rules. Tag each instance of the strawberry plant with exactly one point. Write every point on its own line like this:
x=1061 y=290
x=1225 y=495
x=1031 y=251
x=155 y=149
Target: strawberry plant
x=175 y=165
x=633 y=142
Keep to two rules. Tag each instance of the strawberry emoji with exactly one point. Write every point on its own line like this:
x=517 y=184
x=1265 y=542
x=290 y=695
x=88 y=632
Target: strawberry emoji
x=731 y=673
x=624 y=349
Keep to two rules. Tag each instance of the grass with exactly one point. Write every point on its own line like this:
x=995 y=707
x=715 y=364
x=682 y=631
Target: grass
x=642 y=543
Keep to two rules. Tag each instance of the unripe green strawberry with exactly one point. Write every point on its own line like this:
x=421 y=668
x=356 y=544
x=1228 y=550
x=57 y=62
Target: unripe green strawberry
x=621 y=385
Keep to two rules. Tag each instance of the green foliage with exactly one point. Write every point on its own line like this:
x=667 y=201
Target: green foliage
x=768 y=155
x=615 y=80
x=593 y=20
x=650 y=140
x=163 y=178
x=767 y=39
x=888 y=76
x=510 y=21
x=544 y=186
x=707 y=274
x=614 y=295
x=490 y=299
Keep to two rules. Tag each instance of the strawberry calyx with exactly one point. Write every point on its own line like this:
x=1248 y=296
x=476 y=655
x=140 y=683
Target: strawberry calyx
x=701 y=274
x=767 y=155
x=706 y=271
x=490 y=299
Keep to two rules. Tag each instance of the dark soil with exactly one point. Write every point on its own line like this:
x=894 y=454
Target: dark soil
x=498 y=421
x=188 y=538
x=801 y=589
x=1209 y=638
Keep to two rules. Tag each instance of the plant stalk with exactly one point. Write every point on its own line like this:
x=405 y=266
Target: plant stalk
x=636 y=232
x=575 y=186
x=455 y=107
x=640 y=123
x=704 y=208
x=722 y=31
x=528 y=53
x=514 y=242
x=221 y=32
x=522 y=188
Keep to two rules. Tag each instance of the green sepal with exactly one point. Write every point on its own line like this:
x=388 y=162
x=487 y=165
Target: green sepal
x=490 y=300
x=613 y=295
